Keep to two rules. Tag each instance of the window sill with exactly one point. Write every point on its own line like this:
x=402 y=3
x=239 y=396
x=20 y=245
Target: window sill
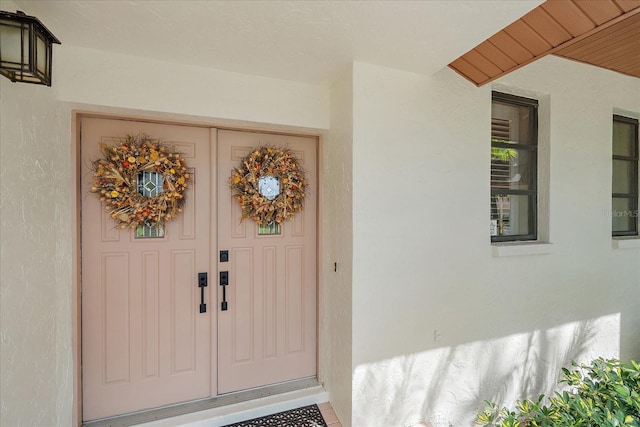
x=520 y=249
x=626 y=242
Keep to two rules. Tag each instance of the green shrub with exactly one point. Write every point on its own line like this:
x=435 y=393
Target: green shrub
x=605 y=393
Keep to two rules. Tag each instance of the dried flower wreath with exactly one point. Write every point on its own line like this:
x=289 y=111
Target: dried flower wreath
x=119 y=181
x=269 y=185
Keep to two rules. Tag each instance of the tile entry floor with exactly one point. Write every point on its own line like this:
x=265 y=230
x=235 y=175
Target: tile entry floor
x=329 y=415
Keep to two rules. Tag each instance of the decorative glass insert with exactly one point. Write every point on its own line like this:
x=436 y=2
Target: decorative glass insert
x=144 y=231
x=270 y=229
x=269 y=187
x=150 y=184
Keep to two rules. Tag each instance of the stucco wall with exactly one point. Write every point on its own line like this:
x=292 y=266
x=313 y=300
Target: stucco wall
x=35 y=315
x=439 y=322
x=337 y=235
x=100 y=78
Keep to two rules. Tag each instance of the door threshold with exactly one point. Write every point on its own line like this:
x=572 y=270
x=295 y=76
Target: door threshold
x=225 y=409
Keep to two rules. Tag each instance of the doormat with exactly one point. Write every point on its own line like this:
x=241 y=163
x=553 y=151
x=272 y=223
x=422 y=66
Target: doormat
x=307 y=416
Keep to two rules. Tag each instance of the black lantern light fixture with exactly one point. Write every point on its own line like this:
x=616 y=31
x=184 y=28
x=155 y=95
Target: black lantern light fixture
x=26 y=51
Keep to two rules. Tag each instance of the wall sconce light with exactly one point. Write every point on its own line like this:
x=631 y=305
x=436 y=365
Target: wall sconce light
x=26 y=52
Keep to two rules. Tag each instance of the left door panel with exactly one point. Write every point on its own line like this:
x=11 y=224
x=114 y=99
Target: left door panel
x=145 y=343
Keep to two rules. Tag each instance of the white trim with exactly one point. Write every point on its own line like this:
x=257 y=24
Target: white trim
x=521 y=249
x=626 y=243
x=243 y=411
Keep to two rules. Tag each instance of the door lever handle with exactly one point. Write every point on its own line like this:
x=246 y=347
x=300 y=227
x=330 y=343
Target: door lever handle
x=202 y=283
x=224 y=281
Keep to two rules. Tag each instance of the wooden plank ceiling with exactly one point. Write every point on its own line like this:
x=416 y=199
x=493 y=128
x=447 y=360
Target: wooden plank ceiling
x=604 y=33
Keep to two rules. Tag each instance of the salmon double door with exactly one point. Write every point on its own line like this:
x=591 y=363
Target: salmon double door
x=153 y=334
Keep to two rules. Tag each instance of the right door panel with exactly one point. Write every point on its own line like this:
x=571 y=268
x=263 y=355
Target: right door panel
x=268 y=333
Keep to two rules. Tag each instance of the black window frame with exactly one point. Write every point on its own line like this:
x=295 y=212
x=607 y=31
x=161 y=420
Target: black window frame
x=634 y=195
x=532 y=147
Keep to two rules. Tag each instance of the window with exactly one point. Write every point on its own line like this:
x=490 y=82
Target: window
x=150 y=184
x=514 y=186
x=624 y=212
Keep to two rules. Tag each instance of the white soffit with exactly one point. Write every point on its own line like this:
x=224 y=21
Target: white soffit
x=308 y=41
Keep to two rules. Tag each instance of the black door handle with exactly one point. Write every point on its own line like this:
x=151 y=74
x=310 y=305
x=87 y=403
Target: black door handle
x=202 y=283
x=224 y=281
